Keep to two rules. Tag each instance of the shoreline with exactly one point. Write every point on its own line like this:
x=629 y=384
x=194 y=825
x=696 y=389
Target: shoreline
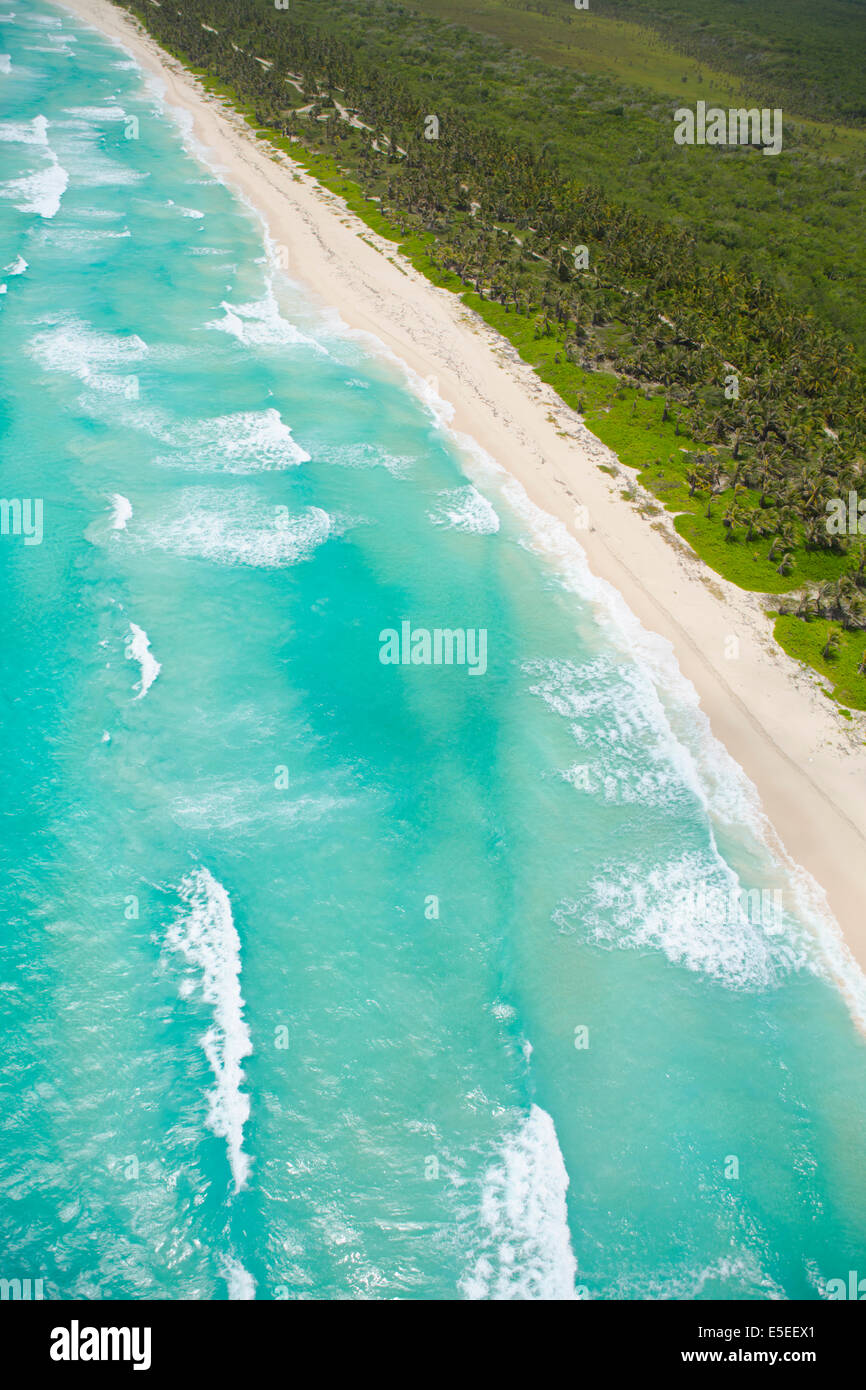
x=806 y=760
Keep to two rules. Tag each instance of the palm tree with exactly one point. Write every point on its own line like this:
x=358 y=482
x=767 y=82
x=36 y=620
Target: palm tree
x=806 y=607
x=697 y=477
x=832 y=644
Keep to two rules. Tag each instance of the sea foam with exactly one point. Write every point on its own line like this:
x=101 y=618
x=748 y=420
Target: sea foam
x=58 y=50
x=77 y=349
x=205 y=934
x=138 y=649
x=627 y=751
x=121 y=511
x=236 y=528
x=363 y=454
x=465 y=509
x=112 y=112
x=33 y=132
x=260 y=324
x=524 y=1243
x=245 y=442
x=240 y=1283
x=74 y=346
x=40 y=192
x=693 y=907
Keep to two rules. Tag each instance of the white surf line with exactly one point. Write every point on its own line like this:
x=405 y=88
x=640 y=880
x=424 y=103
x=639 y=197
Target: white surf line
x=121 y=511
x=524 y=1242
x=138 y=649
x=206 y=935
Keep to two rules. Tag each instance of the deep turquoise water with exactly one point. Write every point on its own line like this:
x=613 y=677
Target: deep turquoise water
x=302 y=951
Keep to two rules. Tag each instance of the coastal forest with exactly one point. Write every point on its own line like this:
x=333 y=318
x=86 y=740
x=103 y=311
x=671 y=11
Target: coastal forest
x=702 y=306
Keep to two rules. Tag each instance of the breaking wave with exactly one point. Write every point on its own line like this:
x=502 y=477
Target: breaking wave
x=138 y=649
x=465 y=509
x=235 y=528
x=205 y=934
x=524 y=1243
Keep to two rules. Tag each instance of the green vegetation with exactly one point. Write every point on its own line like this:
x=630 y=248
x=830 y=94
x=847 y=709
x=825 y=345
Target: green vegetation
x=592 y=42
x=707 y=350
x=807 y=57
x=804 y=57
x=842 y=662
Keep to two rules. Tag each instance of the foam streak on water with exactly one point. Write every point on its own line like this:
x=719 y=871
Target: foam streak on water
x=205 y=934
x=465 y=509
x=121 y=511
x=241 y=1284
x=524 y=1245
x=40 y=192
x=138 y=649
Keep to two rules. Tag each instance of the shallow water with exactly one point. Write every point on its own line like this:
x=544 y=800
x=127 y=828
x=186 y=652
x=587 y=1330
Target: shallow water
x=325 y=977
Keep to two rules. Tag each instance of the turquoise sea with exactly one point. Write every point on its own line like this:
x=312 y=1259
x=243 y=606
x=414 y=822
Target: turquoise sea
x=324 y=977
